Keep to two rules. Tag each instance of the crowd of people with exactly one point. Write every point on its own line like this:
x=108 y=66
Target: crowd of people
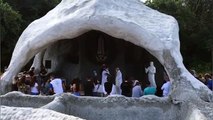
x=206 y=78
x=30 y=83
x=48 y=84
x=128 y=87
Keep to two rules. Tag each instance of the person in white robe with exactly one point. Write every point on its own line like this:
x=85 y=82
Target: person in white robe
x=151 y=70
x=104 y=75
x=118 y=81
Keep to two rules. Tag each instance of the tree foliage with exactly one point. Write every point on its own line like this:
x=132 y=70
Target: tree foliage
x=32 y=9
x=16 y=15
x=10 y=29
x=195 y=18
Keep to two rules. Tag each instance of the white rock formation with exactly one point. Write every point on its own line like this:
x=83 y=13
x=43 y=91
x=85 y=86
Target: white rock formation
x=130 y=20
x=116 y=107
x=17 y=113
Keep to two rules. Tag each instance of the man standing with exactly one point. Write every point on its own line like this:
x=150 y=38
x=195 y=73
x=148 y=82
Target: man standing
x=104 y=75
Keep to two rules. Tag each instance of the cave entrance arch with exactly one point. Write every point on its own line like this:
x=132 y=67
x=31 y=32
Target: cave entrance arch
x=78 y=57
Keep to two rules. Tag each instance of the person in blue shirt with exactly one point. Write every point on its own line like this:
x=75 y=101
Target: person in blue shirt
x=149 y=90
x=209 y=81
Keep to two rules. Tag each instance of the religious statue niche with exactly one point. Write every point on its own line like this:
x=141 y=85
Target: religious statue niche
x=101 y=54
x=100 y=48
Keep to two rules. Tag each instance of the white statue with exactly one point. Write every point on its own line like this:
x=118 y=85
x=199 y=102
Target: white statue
x=151 y=70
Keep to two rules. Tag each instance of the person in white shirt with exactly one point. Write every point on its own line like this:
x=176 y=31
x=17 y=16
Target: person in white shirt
x=166 y=88
x=57 y=86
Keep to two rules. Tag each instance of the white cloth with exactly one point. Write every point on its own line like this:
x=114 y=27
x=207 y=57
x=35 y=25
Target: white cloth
x=34 y=89
x=118 y=81
x=57 y=86
x=137 y=91
x=166 y=88
x=113 y=92
x=98 y=88
x=151 y=70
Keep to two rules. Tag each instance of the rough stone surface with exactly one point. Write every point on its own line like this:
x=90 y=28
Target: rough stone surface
x=18 y=99
x=113 y=107
x=191 y=112
x=17 y=113
x=116 y=107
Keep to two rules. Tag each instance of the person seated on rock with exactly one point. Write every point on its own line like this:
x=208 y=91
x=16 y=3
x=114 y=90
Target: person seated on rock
x=88 y=87
x=34 y=88
x=149 y=90
x=166 y=87
x=126 y=88
x=209 y=81
x=136 y=90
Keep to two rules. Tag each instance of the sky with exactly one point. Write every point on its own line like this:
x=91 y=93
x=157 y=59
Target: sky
x=143 y=0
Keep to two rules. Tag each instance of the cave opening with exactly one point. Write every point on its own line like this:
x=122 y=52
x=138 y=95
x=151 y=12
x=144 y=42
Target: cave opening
x=81 y=56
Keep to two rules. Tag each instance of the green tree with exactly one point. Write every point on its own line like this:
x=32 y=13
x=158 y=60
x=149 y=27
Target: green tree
x=195 y=18
x=16 y=15
x=10 y=29
x=32 y=9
